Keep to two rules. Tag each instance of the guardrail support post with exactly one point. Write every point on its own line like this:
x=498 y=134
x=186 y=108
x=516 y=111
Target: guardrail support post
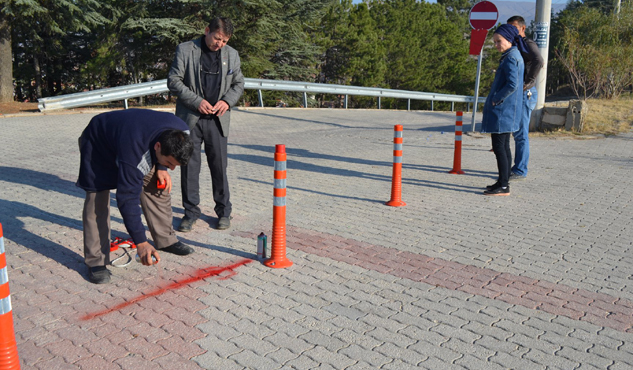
x=125 y=104
x=305 y=99
x=345 y=101
x=379 y=102
x=408 y=104
x=432 y=101
x=261 y=99
x=452 y=106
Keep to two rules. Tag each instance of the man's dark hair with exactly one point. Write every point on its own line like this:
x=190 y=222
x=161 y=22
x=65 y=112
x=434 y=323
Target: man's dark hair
x=223 y=24
x=516 y=18
x=177 y=144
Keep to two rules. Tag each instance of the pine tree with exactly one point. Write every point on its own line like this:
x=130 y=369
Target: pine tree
x=139 y=42
x=42 y=25
x=275 y=40
x=426 y=51
x=6 y=60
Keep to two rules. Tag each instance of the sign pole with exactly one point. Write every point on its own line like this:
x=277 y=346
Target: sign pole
x=472 y=122
x=483 y=17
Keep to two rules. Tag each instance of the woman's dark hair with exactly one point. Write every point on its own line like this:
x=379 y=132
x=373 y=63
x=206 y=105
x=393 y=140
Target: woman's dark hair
x=177 y=144
x=223 y=24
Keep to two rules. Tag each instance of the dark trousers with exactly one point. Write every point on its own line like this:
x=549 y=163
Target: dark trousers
x=501 y=148
x=156 y=206
x=209 y=133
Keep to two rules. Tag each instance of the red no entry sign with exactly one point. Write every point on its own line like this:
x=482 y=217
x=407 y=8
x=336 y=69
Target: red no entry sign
x=483 y=15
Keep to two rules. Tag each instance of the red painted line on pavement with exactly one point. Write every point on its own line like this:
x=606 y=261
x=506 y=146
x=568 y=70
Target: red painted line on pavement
x=201 y=274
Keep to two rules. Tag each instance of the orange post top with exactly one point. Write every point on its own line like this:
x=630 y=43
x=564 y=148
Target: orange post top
x=397 y=128
x=280 y=153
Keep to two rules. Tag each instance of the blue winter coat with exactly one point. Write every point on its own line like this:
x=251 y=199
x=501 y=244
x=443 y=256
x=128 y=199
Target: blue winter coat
x=507 y=94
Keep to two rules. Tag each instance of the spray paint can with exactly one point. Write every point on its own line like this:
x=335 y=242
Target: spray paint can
x=138 y=259
x=261 y=246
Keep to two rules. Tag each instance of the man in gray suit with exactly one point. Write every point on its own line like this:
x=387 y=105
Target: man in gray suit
x=207 y=79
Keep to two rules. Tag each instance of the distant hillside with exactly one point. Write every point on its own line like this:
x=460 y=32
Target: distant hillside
x=526 y=9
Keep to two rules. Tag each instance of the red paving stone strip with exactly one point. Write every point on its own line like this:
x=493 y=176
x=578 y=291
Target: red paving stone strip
x=558 y=299
x=154 y=330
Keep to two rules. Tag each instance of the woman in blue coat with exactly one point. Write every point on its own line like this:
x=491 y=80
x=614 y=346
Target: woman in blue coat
x=503 y=107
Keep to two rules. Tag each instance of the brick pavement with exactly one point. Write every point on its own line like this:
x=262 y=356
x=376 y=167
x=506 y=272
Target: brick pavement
x=538 y=280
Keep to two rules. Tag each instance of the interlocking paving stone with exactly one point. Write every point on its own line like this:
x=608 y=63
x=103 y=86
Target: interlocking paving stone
x=558 y=299
x=454 y=280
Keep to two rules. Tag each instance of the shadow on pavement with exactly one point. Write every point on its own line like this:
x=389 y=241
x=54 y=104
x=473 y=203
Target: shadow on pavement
x=316 y=192
x=219 y=248
x=296 y=165
x=387 y=177
x=303 y=153
x=439 y=115
x=294 y=119
x=12 y=212
x=40 y=180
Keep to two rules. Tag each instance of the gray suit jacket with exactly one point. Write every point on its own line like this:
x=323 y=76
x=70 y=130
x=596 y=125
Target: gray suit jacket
x=185 y=82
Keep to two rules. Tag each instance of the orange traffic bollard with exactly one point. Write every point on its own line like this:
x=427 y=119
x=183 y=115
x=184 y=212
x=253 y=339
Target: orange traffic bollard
x=278 y=239
x=457 y=159
x=396 y=178
x=9 y=359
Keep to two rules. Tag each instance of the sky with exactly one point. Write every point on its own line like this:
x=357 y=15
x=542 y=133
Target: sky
x=533 y=1
x=507 y=8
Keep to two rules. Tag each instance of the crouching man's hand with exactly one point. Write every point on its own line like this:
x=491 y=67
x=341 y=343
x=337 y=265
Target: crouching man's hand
x=164 y=178
x=145 y=252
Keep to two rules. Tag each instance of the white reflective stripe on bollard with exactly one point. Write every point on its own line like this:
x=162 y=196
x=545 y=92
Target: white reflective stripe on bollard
x=5 y=305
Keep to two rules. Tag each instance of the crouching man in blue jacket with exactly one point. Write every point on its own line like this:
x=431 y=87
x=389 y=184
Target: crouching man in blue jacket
x=130 y=151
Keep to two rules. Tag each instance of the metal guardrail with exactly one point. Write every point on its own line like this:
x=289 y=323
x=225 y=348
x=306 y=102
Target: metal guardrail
x=106 y=95
x=157 y=87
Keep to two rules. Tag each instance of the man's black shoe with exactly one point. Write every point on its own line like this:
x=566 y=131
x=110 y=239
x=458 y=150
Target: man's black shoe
x=500 y=191
x=178 y=248
x=224 y=223
x=99 y=275
x=516 y=177
x=186 y=224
